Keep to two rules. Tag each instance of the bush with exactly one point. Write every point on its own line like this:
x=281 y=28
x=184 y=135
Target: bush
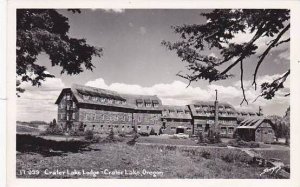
x=88 y=135
x=76 y=133
x=243 y=144
x=111 y=137
x=174 y=137
x=152 y=132
x=206 y=154
x=143 y=134
x=133 y=140
x=53 y=130
x=160 y=131
x=200 y=138
x=213 y=137
x=228 y=157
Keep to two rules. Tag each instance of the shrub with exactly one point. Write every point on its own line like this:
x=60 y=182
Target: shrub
x=53 y=130
x=133 y=140
x=213 y=137
x=160 y=131
x=111 y=136
x=88 y=135
x=76 y=133
x=229 y=157
x=174 y=137
x=243 y=144
x=143 y=134
x=206 y=154
x=200 y=138
x=96 y=139
x=152 y=132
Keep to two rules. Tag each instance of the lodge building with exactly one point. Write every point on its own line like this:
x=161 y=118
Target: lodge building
x=83 y=107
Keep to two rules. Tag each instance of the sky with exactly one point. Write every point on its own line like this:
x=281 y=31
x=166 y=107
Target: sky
x=135 y=62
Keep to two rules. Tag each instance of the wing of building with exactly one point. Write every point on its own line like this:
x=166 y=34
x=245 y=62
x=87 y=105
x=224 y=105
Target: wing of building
x=83 y=107
x=256 y=129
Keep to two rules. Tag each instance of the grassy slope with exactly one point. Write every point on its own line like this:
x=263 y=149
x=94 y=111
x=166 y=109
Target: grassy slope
x=173 y=162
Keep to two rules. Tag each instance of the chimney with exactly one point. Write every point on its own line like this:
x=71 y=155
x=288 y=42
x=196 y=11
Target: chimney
x=216 y=112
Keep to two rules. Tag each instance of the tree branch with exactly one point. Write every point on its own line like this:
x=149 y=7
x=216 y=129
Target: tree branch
x=262 y=56
x=258 y=34
x=242 y=84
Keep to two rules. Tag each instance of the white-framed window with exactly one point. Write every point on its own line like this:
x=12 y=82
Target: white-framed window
x=73 y=115
x=68 y=117
x=139 y=128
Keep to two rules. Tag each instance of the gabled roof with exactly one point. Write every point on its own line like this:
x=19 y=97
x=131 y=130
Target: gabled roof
x=205 y=107
x=61 y=94
x=179 y=112
x=252 y=123
x=130 y=101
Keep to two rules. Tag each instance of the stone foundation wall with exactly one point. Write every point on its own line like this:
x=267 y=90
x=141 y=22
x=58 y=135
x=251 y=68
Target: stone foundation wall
x=171 y=126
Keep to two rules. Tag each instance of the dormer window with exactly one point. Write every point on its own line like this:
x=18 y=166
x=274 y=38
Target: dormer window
x=148 y=103
x=155 y=103
x=85 y=97
x=139 y=102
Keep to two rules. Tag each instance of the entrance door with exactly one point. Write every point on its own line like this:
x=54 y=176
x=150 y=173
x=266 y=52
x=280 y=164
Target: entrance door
x=179 y=130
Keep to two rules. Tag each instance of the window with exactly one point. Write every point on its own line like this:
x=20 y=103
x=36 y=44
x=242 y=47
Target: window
x=270 y=131
x=68 y=96
x=188 y=129
x=139 y=119
x=74 y=105
x=116 y=126
x=139 y=128
x=85 y=97
x=223 y=130
x=139 y=102
x=230 y=130
x=173 y=128
x=68 y=117
x=199 y=125
x=73 y=115
x=147 y=127
x=155 y=103
x=93 y=127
